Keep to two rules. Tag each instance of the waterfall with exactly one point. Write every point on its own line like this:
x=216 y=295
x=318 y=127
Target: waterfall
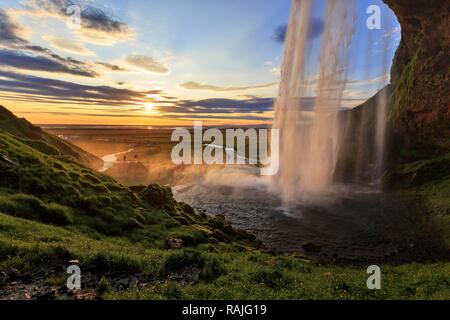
x=310 y=141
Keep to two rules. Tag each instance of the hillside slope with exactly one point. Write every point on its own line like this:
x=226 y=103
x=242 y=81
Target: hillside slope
x=35 y=137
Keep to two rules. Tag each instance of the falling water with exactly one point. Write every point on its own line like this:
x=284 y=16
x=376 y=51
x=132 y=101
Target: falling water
x=310 y=144
x=381 y=111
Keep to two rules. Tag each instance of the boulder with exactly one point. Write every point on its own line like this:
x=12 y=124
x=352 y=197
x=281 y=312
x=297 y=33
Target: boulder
x=158 y=197
x=174 y=243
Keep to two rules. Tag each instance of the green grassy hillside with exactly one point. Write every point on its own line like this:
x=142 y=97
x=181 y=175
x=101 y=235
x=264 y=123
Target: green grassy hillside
x=36 y=138
x=54 y=209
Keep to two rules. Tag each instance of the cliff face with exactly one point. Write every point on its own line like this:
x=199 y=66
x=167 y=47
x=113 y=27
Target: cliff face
x=418 y=97
x=420 y=102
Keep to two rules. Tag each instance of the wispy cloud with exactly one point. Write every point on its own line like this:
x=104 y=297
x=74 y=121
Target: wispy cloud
x=10 y=31
x=51 y=90
x=68 y=45
x=208 y=87
x=110 y=66
x=380 y=79
x=25 y=61
x=19 y=53
x=97 y=26
x=146 y=63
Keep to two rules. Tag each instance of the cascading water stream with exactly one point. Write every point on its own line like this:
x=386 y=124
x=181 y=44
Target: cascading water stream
x=310 y=145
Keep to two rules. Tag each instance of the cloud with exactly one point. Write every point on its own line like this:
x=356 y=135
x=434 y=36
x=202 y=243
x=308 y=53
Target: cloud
x=57 y=91
x=219 y=106
x=246 y=96
x=250 y=108
x=190 y=117
x=17 y=52
x=110 y=66
x=97 y=19
x=24 y=61
x=9 y=30
x=146 y=64
x=380 y=79
x=207 y=87
x=316 y=27
x=237 y=107
x=279 y=34
x=104 y=101
x=68 y=45
x=97 y=26
x=394 y=31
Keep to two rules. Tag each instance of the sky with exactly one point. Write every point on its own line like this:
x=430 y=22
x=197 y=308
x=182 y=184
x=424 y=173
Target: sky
x=168 y=62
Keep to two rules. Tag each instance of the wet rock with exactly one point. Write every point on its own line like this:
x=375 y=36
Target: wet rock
x=311 y=247
x=174 y=243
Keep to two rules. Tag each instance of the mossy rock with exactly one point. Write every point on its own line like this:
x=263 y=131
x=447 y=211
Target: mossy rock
x=158 y=197
x=419 y=172
x=220 y=236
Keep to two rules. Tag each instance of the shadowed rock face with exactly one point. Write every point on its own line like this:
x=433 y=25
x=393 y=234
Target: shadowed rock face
x=420 y=74
x=9 y=171
x=418 y=97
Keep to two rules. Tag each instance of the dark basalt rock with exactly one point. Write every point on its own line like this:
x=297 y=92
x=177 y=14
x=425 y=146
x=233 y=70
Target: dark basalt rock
x=421 y=73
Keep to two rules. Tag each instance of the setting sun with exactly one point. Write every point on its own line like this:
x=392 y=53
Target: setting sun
x=149 y=108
